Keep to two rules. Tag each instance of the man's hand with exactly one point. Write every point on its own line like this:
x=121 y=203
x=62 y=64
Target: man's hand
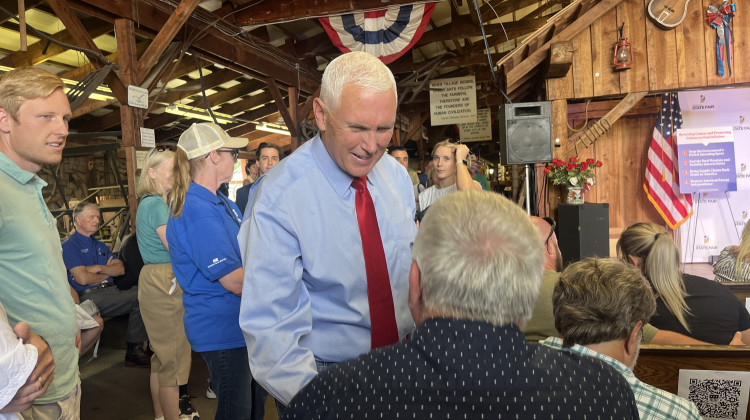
x=41 y=377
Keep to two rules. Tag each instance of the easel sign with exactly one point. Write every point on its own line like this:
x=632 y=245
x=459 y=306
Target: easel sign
x=706 y=159
x=718 y=394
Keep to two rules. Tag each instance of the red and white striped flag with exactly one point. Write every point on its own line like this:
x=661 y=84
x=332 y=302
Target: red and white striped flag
x=661 y=182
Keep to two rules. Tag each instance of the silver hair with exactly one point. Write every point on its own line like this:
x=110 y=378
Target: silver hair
x=359 y=69
x=79 y=208
x=479 y=258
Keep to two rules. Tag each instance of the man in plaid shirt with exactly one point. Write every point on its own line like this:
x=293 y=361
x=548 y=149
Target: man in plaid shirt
x=600 y=307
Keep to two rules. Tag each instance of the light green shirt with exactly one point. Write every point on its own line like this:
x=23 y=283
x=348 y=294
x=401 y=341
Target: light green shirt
x=152 y=213
x=33 y=281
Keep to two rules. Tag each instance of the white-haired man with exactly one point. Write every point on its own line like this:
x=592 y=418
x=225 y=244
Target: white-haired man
x=325 y=239
x=473 y=281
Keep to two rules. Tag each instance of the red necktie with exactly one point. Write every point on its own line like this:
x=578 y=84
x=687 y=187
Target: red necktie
x=382 y=315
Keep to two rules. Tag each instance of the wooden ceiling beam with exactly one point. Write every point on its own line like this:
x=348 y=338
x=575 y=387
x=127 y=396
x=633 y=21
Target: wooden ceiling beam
x=226 y=95
x=40 y=52
x=79 y=33
x=246 y=103
x=513 y=29
x=165 y=36
x=518 y=73
x=191 y=88
x=291 y=124
x=256 y=58
x=267 y=12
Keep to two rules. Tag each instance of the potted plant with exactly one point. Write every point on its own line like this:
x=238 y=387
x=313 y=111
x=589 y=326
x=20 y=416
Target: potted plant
x=576 y=175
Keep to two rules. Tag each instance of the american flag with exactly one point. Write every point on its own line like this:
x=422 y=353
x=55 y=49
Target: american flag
x=661 y=182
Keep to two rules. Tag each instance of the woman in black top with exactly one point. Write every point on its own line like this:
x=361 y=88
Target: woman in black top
x=694 y=306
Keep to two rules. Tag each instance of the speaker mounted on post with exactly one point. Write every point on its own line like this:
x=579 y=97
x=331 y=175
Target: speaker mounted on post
x=525 y=133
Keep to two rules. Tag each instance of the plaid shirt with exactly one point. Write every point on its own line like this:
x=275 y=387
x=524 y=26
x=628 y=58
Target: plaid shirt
x=653 y=403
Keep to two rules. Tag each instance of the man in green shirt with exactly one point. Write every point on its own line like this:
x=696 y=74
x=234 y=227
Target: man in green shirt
x=34 y=115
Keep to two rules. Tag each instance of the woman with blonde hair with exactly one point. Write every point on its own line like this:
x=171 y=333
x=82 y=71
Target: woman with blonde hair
x=694 y=306
x=734 y=261
x=451 y=170
x=158 y=293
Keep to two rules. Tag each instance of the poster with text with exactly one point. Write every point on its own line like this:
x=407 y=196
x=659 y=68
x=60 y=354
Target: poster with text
x=453 y=101
x=478 y=131
x=706 y=159
x=718 y=216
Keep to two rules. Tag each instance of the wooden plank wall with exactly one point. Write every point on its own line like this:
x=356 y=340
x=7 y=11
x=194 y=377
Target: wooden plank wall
x=663 y=60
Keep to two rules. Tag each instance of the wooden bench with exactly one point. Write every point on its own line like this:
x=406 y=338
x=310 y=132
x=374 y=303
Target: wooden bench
x=741 y=290
x=659 y=365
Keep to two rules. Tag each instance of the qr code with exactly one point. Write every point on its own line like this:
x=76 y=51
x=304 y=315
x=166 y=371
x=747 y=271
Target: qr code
x=716 y=398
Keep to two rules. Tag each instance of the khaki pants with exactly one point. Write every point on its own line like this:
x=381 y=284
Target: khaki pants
x=69 y=408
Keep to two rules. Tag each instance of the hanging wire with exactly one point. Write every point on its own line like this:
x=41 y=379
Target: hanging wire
x=487 y=50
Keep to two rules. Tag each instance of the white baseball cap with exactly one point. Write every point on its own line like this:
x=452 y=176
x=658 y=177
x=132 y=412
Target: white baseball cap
x=201 y=138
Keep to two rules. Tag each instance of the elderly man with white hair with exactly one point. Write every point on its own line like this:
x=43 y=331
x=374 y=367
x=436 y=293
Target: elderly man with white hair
x=474 y=279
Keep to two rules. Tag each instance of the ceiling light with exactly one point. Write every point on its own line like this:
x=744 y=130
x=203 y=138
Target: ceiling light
x=198 y=113
x=272 y=128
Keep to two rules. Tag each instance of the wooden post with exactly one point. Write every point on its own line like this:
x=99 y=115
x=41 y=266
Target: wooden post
x=131 y=118
x=22 y=23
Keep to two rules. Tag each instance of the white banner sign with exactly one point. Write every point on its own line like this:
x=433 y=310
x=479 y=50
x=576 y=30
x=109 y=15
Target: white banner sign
x=480 y=130
x=719 y=216
x=453 y=101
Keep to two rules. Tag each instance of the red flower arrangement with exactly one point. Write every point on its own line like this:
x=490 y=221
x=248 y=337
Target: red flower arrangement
x=573 y=173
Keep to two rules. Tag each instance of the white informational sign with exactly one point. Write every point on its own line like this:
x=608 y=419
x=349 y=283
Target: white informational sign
x=137 y=97
x=140 y=158
x=718 y=216
x=148 y=138
x=478 y=131
x=718 y=394
x=453 y=101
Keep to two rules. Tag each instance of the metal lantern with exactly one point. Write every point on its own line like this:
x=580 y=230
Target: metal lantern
x=623 y=57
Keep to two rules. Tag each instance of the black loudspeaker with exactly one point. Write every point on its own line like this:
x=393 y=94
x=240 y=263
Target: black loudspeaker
x=583 y=231
x=525 y=133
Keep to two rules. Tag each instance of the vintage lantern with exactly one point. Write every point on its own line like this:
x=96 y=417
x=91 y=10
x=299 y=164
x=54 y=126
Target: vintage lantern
x=623 y=57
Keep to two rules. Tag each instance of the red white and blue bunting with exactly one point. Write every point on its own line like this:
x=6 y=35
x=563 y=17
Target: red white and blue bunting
x=386 y=34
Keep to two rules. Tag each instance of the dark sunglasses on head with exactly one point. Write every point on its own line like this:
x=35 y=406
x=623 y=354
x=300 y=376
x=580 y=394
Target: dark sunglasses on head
x=161 y=148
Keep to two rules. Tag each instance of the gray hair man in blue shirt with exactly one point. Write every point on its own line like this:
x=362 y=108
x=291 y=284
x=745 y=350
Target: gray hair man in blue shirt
x=305 y=299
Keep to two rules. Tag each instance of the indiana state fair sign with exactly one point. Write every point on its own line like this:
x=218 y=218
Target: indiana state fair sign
x=714 y=151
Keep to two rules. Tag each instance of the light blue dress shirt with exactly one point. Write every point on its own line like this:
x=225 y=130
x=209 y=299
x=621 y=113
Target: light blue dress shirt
x=305 y=292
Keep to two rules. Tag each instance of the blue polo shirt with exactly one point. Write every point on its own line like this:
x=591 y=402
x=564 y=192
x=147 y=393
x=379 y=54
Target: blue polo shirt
x=203 y=248
x=84 y=250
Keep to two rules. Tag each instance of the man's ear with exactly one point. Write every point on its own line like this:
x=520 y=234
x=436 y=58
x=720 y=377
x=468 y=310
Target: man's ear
x=631 y=344
x=416 y=306
x=320 y=113
x=4 y=121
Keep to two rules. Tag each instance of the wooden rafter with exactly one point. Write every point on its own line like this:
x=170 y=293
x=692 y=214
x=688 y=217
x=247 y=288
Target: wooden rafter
x=516 y=75
x=279 y=11
x=165 y=36
x=83 y=39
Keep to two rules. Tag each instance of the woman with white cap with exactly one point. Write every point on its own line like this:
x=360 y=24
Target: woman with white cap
x=202 y=236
